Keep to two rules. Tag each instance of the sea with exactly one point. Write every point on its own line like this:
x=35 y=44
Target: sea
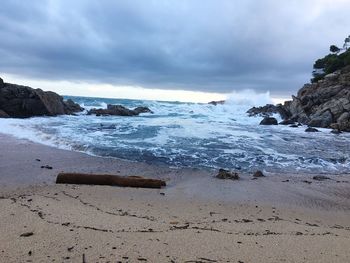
x=191 y=135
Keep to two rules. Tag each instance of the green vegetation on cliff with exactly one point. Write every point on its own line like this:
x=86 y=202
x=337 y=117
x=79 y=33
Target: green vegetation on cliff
x=337 y=59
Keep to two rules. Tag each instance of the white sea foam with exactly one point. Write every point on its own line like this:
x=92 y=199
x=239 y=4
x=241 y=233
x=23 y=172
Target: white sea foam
x=189 y=134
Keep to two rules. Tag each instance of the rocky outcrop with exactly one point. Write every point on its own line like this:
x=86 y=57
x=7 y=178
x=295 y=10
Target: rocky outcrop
x=217 y=102
x=268 y=110
x=119 y=110
x=18 y=101
x=324 y=104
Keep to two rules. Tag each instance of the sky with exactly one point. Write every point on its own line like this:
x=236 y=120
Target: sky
x=193 y=50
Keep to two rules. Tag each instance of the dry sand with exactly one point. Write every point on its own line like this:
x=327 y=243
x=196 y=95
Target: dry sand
x=196 y=218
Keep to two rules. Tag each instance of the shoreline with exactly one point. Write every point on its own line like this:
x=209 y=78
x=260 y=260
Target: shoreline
x=196 y=217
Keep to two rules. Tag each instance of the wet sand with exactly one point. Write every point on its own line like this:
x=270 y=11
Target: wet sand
x=196 y=218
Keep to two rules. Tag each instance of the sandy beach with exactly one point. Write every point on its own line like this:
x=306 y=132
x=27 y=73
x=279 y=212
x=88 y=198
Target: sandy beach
x=196 y=218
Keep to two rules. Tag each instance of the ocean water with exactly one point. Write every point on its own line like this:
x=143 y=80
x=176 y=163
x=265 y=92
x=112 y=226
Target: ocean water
x=190 y=135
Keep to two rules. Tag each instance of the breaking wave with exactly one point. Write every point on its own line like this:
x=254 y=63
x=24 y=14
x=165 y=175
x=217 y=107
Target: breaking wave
x=191 y=135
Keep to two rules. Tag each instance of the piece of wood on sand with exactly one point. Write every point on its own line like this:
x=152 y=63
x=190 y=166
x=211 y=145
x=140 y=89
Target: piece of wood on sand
x=106 y=179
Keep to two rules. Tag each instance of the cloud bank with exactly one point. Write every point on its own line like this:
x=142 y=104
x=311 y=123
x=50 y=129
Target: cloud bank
x=204 y=45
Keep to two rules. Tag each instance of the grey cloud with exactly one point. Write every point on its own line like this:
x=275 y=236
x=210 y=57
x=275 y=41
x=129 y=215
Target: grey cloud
x=202 y=45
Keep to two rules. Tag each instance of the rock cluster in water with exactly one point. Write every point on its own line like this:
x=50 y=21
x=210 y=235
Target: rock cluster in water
x=324 y=104
x=119 y=110
x=18 y=101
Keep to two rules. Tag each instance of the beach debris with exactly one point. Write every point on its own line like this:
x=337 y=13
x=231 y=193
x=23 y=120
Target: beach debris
x=307 y=182
x=46 y=167
x=27 y=234
x=269 y=121
x=226 y=174
x=258 y=173
x=180 y=227
x=310 y=129
x=321 y=178
x=107 y=179
x=70 y=248
x=38 y=160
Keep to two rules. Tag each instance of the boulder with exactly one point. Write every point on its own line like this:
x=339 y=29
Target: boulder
x=119 y=110
x=72 y=107
x=139 y=110
x=22 y=102
x=269 y=121
x=336 y=131
x=225 y=174
x=1 y=83
x=287 y=122
x=258 y=174
x=310 y=129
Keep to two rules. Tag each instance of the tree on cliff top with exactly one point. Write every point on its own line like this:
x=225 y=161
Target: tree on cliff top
x=338 y=59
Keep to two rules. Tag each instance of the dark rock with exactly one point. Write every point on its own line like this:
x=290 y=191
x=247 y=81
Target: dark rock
x=72 y=107
x=294 y=126
x=318 y=104
x=336 y=131
x=27 y=234
x=269 y=121
x=23 y=102
x=119 y=110
x=320 y=178
x=258 y=174
x=1 y=83
x=310 y=129
x=287 y=122
x=322 y=120
x=220 y=102
x=46 y=167
x=323 y=103
x=268 y=110
x=139 y=110
x=4 y=114
x=225 y=174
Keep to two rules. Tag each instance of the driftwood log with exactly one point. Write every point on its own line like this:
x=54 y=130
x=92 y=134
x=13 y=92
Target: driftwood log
x=106 y=179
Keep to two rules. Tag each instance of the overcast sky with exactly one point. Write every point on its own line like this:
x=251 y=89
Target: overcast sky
x=206 y=45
